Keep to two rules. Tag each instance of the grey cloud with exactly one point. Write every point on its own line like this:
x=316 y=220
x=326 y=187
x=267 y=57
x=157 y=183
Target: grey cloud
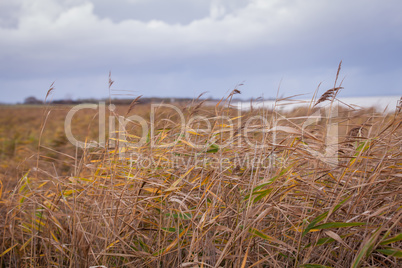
x=9 y=13
x=171 y=12
x=181 y=49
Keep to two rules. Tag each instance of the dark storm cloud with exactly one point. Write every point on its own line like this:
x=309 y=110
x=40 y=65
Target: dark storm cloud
x=182 y=48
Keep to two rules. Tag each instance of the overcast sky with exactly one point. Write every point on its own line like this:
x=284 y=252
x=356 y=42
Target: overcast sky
x=181 y=48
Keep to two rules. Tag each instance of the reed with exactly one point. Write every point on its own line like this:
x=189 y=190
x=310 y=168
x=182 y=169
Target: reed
x=205 y=202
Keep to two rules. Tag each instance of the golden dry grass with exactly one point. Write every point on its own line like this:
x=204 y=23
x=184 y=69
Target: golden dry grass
x=214 y=205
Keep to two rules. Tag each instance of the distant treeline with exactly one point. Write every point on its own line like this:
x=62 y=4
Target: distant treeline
x=35 y=101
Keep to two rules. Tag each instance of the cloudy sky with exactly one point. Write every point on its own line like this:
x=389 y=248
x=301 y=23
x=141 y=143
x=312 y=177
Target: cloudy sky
x=181 y=48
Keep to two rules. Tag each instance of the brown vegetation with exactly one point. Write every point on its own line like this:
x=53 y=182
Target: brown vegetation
x=280 y=205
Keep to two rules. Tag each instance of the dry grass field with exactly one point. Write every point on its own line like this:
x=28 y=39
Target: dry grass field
x=227 y=190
